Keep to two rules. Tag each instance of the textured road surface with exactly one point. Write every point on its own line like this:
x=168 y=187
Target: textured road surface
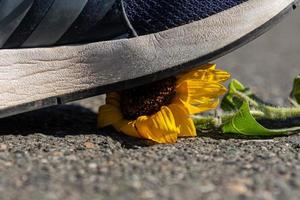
x=58 y=154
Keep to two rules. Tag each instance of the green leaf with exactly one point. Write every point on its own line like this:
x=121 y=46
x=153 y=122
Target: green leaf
x=295 y=94
x=245 y=124
x=230 y=102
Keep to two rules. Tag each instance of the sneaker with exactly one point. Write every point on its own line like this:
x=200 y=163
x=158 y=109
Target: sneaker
x=57 y=51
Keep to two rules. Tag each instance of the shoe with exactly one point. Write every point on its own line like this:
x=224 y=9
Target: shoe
x=57 y=51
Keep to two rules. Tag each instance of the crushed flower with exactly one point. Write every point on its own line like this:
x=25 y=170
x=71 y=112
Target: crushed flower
x=162 y=111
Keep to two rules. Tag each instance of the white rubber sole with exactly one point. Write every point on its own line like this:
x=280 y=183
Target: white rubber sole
x=40 y=77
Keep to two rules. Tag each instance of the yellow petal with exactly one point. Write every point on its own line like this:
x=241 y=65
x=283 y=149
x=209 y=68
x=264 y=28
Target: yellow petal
x=108 y=115
x=113 y=98
x=160 y=127
x=127 y=127
x=206 y=73
x=196 y=89
x=198 y=106
x=193 y=72
x=183 y=121
x=208 y=66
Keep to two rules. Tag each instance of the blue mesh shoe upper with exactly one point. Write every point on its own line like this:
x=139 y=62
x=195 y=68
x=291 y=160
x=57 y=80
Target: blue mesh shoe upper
x=35 y=23
x=150 y=16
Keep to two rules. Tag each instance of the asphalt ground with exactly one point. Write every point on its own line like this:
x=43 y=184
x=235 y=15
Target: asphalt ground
x=57 y=153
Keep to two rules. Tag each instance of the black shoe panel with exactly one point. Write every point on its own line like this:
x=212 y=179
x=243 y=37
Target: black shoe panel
x=91 y=26
x=57 y=22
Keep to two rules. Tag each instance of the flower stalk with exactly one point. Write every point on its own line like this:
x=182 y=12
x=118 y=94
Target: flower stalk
x=216 y=122
x=241 y=110
x=270 y=112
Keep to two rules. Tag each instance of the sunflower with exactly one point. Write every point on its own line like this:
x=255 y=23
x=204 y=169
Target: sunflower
x=162 y=111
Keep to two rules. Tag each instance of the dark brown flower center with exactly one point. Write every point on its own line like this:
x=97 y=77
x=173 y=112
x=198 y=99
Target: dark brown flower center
x=147 y=99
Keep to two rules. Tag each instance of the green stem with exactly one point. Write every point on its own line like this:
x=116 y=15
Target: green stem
x=210 y=122
x=280 y=113
x=244 y=97
x=294 y=103
x=270 y=112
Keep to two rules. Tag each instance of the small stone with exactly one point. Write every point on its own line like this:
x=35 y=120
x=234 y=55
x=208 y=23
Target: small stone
x=207 y=187
x=147 y=194
x=8 y=164
x=89 y=145
x=3 y=147
x=93 y=166
x=57 y=154
x=247 y=166
x=239 y=186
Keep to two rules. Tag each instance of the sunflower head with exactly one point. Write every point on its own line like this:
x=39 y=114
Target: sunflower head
x=147 y=99
x=161 y=111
